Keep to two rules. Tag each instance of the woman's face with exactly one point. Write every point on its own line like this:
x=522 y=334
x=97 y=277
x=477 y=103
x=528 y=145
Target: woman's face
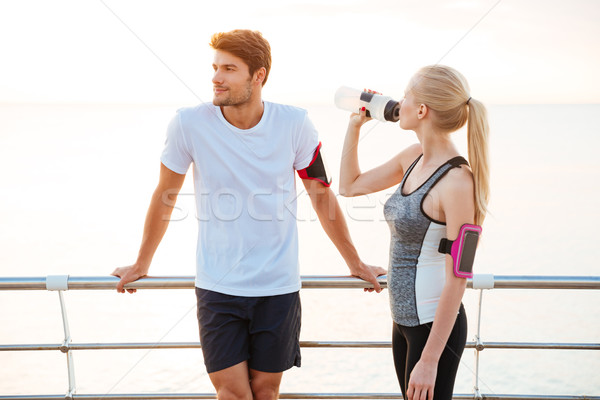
x=408 y=111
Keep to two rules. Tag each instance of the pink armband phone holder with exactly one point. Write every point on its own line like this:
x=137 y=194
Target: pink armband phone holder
x=462 y=249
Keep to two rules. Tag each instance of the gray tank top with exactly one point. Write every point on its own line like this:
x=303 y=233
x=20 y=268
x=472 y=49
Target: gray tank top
x=416 y=271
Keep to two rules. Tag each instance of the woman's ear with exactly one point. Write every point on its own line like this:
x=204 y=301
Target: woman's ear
x=423 y=111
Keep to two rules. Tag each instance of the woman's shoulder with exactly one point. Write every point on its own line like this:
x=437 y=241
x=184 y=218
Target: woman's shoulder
x=458 y=182
x=457 y=196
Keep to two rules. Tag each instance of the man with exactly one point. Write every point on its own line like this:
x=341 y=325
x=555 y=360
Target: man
x=244 y=153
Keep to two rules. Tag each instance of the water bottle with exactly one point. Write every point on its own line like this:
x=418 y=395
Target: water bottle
x=383 y=108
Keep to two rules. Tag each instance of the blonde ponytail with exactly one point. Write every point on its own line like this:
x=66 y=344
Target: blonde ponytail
x=446 y=91
x=477 y=137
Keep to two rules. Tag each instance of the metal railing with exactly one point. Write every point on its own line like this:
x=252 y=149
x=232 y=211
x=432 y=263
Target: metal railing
x=480 y=282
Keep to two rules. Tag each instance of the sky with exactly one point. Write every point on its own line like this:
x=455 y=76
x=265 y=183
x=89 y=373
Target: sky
x=108 y=51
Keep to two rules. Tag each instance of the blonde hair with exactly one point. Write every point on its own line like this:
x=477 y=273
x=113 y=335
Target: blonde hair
x=446 y=91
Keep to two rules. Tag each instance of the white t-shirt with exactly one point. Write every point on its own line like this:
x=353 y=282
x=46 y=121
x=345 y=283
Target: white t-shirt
x=245 y=190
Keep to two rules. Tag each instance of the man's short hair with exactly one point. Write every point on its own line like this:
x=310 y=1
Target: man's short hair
x=248 y=45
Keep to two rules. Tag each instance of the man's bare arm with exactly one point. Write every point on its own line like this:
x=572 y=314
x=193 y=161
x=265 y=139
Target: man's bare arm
x=333 y=222
x=157 y=221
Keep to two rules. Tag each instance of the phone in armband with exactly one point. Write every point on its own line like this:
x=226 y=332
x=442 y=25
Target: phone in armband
x=462 y=249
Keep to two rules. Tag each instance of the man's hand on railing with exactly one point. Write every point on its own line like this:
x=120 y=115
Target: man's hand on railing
x=368 y=273
x=128 y=274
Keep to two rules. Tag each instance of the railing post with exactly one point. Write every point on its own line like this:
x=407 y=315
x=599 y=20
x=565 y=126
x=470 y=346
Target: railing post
x=478 y=347
x=60 y=283
x=481 y=282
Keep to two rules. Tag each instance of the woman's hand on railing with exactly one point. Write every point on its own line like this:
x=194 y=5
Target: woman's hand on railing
x=368 y=273
x=127 y=275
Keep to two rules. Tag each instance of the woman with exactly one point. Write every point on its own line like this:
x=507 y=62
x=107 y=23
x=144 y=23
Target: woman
x=438 y=193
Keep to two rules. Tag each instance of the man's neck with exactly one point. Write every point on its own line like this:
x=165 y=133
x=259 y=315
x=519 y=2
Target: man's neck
x=244 y=116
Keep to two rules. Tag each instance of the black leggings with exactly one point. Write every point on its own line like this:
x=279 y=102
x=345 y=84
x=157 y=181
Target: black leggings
x=408 y=343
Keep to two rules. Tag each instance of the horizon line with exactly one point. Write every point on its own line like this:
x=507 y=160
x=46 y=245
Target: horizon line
x=185 y=104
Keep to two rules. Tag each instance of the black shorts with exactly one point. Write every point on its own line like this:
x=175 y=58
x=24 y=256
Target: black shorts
x=265 y=331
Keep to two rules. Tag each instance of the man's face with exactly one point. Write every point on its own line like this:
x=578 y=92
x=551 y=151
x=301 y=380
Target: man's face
x=232 y=82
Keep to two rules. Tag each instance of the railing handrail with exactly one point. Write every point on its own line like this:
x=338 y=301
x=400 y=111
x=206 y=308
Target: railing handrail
x=312 y=396
x=308 y=282
x=307 y=344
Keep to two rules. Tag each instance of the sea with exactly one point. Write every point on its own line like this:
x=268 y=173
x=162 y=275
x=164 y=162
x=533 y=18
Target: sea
x=76 y=183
